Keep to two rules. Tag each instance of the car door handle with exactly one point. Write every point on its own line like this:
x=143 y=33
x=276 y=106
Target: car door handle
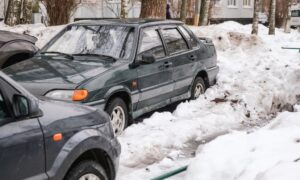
x=192 y=57
x=168 y=64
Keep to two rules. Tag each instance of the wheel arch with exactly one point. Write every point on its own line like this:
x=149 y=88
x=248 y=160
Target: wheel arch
x=204 y=75
x=124 y=94
x=101 y=157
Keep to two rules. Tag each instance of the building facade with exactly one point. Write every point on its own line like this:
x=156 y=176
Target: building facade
x=238 y=10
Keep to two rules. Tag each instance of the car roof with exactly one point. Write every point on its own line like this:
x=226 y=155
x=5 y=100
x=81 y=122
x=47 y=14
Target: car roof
x=125 y=22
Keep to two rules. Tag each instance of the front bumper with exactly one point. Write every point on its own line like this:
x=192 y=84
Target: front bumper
x=100 y=104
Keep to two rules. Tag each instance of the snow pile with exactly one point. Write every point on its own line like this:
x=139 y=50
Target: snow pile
x=272 y=153
x=257 y=79
x=40 y=31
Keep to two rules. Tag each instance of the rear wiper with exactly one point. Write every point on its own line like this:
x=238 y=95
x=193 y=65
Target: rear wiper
x=69 y=56
x=98 y=55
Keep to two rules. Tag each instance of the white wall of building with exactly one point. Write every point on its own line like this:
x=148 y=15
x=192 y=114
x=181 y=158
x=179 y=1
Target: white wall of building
x=105 y=9
x=227 y=9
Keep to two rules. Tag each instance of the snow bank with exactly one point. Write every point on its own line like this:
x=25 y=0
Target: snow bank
x=257 y=79
x=40 y=31
x=271 y=153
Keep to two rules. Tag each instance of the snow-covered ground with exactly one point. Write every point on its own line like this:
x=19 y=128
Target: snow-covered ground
x=257 y=80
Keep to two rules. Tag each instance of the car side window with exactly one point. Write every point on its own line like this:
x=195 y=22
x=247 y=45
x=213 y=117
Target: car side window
x=4 y=115
x=192 y=40
x=174 y=40
x=151 y=43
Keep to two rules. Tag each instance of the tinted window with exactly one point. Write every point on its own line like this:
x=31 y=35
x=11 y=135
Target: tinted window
x=3 y=110
x=151 y=43
x=192 y=40
x=174 y=41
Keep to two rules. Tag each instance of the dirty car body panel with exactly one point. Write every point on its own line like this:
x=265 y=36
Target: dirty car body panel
x=143 y=86
x=27 y=147
x=15 y=48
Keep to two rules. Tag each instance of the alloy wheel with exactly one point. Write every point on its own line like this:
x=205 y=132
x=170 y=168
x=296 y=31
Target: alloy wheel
x=118 y=120
x=89 y=176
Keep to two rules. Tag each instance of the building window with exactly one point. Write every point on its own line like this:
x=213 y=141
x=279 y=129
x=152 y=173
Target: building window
x=247 y=3
x=232 y=3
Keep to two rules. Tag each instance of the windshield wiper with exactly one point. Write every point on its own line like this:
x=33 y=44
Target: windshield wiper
x=102 y=56
x=69 y=56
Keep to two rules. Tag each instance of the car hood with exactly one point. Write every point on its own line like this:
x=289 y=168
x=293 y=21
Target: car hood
x=41 y=74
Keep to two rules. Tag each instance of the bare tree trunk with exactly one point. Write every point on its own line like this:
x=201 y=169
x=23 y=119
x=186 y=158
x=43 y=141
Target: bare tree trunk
x=124 y=11
x=272 y=17
x=12 y=17
x=59 y=12
x=183 y=10
x=255 y=17
x=26 y=12
x=197 y=12
x=205 y=13
x=153 y=9
x=287 y=28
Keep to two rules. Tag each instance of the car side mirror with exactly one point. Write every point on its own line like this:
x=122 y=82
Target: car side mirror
x=24 y=107
x=147 y=59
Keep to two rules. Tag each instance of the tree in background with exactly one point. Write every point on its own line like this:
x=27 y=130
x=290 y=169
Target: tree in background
x=183 y=10
x=59 y=12
x=153 y=9
x=287 y=27
x=19 y=12
x=255 y=17
x=272 y=11
x=204 y=12
x=124 y=12
x=197 y=12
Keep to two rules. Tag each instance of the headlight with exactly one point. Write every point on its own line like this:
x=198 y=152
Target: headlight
x=65 y=95
x=68 y=95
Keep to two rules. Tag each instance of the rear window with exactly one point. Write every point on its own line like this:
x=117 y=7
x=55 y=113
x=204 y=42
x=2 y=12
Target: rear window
x=192 y=40
x=174 y=40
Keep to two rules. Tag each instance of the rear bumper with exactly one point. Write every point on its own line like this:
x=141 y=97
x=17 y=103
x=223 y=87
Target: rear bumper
x=212 y=75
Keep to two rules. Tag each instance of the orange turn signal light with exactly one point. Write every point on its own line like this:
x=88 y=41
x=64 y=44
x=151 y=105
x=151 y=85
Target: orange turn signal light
x=80 y=94
x=57 y=137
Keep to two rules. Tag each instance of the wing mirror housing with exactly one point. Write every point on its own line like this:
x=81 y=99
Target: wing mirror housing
x=24 y=107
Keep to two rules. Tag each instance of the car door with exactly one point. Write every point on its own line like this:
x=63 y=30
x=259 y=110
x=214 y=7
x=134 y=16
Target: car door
x=183 y=58
x=155 y=81
x=21 y=141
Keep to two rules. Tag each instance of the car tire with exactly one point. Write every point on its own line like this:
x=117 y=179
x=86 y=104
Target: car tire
x=118 y=112
x=87 y=170
x=198 y=88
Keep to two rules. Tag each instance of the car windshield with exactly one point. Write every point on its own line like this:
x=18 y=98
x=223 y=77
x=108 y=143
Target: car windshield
x=105 y=41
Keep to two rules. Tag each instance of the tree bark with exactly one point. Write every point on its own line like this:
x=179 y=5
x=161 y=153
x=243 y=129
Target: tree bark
x=12 y=17
x=26 y=12
x=124 y=11
x=183 y=10
x=272 y=17
x=197 y=12
x=153 y=9
x=205 y=13
x=255 y=17
x=287 y=28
